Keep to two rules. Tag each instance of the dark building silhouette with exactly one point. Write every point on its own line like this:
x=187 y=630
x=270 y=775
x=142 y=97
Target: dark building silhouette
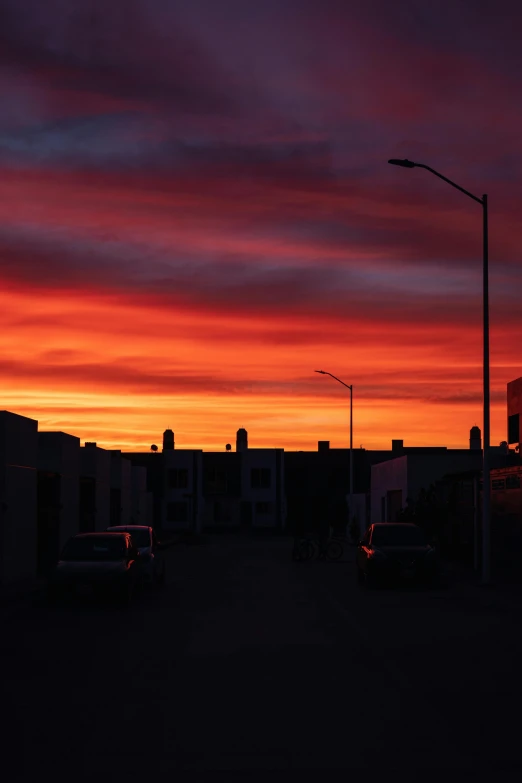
x=274 y=489
x=317 y=483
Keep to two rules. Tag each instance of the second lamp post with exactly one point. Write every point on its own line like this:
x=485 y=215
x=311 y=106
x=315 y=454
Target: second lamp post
x=350 y=502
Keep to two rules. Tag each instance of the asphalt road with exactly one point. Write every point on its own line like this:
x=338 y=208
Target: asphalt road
x=247 y=664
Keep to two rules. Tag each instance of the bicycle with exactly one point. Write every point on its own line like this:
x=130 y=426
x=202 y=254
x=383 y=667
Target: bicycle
x=332 y=550
x=309 y=548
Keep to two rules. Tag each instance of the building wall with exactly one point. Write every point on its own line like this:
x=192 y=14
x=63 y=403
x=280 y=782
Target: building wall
x=153 y=462
x=221 y=490
x=456 y=529
x=103 y=490
x=514 y=412
x=120 y=489
x=425 y=469
x=194 y=497
x=126 y=491
x=360 y=511
x=149 y=509
x=182 y=507
x=18 y=529
x=506 y=491
x=18 y=497
x=506 y=513
x=281 y=499
x=386 y=477
x=221 y=512
x=95 y=463
x=267 y=504
x=59 y=453
x=140 y=512
x=18 y=440
x=318 y=483
x=410 y=473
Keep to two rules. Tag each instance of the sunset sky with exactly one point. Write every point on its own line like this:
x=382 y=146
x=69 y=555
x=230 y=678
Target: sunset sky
x=196 y=212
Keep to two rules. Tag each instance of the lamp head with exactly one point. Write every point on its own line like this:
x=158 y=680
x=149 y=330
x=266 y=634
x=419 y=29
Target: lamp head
x=321 y=371
x=405 y=163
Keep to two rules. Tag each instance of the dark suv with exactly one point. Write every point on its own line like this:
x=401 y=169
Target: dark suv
x=97 y=564
x=396 y=551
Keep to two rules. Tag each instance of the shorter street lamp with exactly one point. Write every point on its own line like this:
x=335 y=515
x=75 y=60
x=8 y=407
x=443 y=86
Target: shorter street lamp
x=323 y=372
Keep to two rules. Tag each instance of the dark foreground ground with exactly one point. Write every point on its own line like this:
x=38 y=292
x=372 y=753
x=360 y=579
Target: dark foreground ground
x=248 y=665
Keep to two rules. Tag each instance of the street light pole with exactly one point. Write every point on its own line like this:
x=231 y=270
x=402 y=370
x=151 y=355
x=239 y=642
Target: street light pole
x=486 y=484
x=486 y=491
x=350 y=506
x=350 y=511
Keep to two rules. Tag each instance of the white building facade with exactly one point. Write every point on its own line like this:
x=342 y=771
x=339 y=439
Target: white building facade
x=396 y=480
x=182 y=505
x=263 y=496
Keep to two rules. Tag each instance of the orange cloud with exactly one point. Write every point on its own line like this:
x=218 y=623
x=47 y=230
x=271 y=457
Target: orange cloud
x=119 y=372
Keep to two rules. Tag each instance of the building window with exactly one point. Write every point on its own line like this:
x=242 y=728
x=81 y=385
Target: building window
x=498 y=484
x=263 y=507
x=260 y=478
x=178 y=478
x=512 y=482
x=177 y=512
x=216 y=480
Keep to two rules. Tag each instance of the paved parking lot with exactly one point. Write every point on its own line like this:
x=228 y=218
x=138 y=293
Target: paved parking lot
x=248 y=664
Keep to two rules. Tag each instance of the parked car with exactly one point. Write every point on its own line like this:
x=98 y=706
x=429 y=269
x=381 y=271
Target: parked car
x=151 y=554
x=395 y=551
x=97 y=564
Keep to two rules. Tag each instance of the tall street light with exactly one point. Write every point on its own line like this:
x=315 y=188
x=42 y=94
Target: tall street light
x=323 y=372
x=486 y=493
